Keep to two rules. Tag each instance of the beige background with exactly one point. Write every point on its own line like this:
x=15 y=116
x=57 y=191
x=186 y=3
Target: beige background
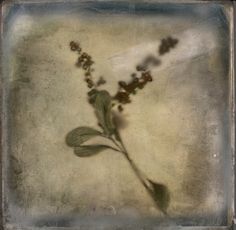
x=175 y=129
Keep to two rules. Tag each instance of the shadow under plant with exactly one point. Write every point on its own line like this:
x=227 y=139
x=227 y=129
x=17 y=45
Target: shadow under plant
x=104 y=104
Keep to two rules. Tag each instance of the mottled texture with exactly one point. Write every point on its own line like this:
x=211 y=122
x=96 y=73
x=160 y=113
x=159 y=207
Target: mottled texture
x=176 y=129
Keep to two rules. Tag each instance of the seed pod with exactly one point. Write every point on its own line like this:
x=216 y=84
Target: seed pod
x=146 y=76
x=84 y=55
x=122 y=97
x=74 y=46
x=141 y=67
x=122 y=84
x=101 y=81
x=120 y=108
x=87 y=74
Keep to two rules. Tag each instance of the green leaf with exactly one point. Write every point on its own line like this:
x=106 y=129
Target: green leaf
x=89 y=150
x=81 y=134
x=161 y=195
x=102 y=105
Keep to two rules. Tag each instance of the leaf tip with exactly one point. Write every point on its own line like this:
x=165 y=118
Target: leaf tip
x=161 y=195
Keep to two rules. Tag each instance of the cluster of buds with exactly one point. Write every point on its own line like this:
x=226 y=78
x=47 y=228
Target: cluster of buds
x=125 y=89
x=167 y=44
x=137 y=83
x=85 y=62
x=139 y=78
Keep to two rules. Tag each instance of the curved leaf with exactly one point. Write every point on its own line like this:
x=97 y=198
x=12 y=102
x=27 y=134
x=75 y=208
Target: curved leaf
x=102 y=105
x=89 y=150
x=79 y=135
x=161 y=195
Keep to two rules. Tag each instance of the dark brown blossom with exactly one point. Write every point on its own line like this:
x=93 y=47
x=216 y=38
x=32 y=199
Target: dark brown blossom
x=141 y=67
x=90 y=83
x=146 y=76
x=167 y=44
x=122 y=97
x=101 y=81
x=74 y=46
x=120 y=108
x=125 y=89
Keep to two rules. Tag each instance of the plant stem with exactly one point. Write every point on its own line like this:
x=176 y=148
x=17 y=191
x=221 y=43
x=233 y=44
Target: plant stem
x=115 y=143
x=136 y=170
x=142 y=178
x=117 y=150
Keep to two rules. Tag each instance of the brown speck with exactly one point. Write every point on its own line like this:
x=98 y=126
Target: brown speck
x=122 y=84
x=87 y=74
x=133 y=75
x=101 y=81
x=146 y=76
x=120 y=108
x=140 y=67
x=89 y=82
x=74 y=46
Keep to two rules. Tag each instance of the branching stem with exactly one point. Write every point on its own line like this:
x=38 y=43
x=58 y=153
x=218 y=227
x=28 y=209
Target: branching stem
x=142 y=178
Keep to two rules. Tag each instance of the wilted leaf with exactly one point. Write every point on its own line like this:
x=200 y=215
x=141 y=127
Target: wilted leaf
x=161 y=195
x=102 y=105
x=79 y=135
x=89 y=150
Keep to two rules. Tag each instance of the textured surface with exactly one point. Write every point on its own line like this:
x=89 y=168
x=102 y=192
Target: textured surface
x=176 y=129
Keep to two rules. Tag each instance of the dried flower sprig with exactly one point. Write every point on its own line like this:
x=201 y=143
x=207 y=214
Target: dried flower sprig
x=137 y=83
x=103 y=104
x=85 y=62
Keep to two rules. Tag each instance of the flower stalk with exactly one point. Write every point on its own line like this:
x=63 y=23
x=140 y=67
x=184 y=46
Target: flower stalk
x=103 y=104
